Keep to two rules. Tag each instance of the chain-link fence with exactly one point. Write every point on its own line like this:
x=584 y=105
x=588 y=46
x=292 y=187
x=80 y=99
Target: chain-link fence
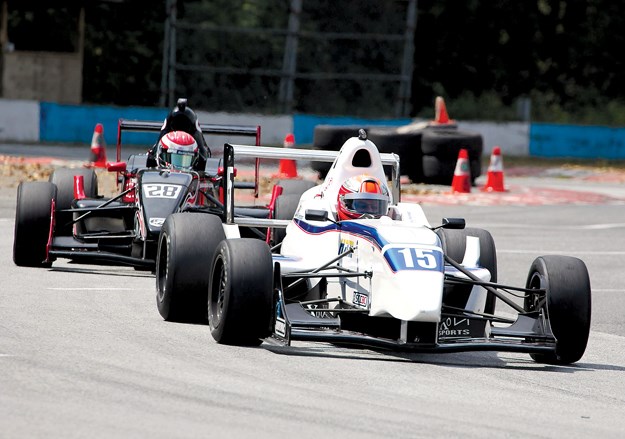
x=312 y=56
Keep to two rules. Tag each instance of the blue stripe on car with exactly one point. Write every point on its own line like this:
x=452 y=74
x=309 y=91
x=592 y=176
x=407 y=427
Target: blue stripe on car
x=354 y=228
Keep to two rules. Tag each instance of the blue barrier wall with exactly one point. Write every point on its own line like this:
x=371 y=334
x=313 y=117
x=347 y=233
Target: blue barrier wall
x=551 y=140
x=75 y=123
x=304 y=124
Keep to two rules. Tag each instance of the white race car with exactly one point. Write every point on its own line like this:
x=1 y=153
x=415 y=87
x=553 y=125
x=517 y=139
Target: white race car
x=387 y=279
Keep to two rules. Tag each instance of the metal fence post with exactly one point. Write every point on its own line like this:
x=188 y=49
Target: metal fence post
x=289 y=63
x=402 y=107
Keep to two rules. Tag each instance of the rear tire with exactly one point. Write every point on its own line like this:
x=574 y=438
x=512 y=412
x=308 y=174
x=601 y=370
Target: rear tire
x=567 y=307
x=187 y=243
x=63 y=178
x=454 y=244
x=32 y=223
x=241 y=292
x=295 y=187
x=286 y=206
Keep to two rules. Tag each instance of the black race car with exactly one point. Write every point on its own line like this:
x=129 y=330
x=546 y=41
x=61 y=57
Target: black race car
x=66 y=218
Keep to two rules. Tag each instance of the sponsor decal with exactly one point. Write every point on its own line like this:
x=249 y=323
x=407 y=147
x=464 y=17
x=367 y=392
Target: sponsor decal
x=158 y=190
x=157 y=222
x=360 y=299
x=454 y=327
x=280 y=328
x=345 y=245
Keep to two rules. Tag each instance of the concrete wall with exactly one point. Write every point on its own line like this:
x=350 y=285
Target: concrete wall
x=32 y=121
x=512 y=137
x=19 y=120
x=42 y=76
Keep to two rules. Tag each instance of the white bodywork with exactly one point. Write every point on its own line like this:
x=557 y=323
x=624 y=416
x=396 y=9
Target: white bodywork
x=402 y=255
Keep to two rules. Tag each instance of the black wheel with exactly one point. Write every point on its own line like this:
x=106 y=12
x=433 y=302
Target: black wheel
x=286 y=205
x=186 y=246
x=407 y=145
x=330 y=138
x=447 y=143
x=63 y=178
x=453 y=243
x=565 y=306
x=241 y=292
x=438 y=171
x=441 y=171
x=476 y=169
x=33 y=216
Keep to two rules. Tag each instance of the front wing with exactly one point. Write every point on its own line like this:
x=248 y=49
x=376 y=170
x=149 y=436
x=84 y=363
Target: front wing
x=458 y=330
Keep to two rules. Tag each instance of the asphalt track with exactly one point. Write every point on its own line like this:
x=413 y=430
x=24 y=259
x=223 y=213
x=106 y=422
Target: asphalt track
x=84 y=352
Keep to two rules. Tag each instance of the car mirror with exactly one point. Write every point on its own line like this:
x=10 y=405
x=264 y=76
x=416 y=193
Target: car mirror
x=213 y=165
x=453 y=223
x=116 y=167
x=316 y=215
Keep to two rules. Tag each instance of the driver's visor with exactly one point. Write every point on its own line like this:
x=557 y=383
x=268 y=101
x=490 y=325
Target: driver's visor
x=181 y=159
x=367 y=203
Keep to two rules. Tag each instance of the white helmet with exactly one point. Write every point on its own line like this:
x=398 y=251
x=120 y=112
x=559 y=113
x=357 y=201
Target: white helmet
x=177 y=150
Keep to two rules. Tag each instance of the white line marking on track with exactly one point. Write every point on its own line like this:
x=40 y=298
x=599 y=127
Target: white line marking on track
x=90 y=289
x=607 y=290
x=603 y=226
x=564 y=252
x=554 y=227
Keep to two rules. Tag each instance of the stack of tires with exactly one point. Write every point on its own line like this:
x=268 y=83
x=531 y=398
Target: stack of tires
x=427 y=153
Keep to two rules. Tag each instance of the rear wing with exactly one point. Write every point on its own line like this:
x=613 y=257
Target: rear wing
x=267 y=152
x=155 y=126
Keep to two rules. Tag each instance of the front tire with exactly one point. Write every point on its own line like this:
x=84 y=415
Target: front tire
x=454 y=244
x=186 y=246
x=33 y=216
x=241 y=292
x=566 y=305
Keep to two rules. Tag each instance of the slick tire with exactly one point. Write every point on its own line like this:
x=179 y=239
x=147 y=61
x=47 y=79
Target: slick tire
x=241 y=292
x=567 y=306
x=186 y=246
x=33 y=215
x=454 y=244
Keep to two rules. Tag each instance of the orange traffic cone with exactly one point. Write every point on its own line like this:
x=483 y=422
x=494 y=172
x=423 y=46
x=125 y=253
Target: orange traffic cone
x=440 y=113
x=98 y=148
x=287 y=168
x=462 y=174
x=494 y=177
